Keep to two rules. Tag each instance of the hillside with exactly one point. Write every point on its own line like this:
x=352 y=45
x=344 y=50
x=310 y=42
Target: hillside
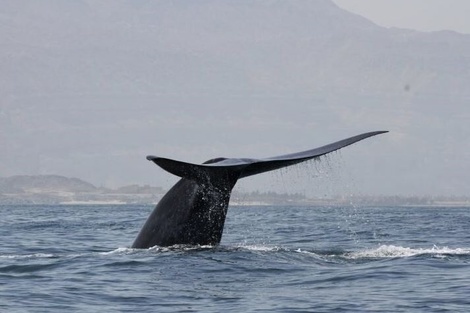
x=54 y=189
x=92 y=87
x=43 y=183
x=57 y=190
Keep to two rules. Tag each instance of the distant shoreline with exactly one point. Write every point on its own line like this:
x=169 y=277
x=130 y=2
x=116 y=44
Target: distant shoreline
x=60 y=190
x=252 y=204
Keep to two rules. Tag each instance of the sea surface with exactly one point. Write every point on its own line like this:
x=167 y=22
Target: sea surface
x=272 y=259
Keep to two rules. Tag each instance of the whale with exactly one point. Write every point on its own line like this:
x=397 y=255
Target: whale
x=193 y=211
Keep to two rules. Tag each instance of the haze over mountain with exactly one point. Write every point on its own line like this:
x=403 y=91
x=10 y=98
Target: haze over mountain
x=90 y=88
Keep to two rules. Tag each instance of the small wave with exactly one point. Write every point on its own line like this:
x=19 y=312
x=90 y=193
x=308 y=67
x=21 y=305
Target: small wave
x=384 y=251
x=118 y=251
x=313 y=253
x=261 y=248
x=290 y=251
x=177 y=248
x=391 y=251
x=184 y=248
x=28 y=256
x=221 y=248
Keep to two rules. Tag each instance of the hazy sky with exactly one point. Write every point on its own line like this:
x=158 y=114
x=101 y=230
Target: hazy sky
x=423 y=15
x=89 y=88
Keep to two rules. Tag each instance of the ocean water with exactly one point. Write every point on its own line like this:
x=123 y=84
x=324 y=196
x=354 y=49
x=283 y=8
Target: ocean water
x=271 y=259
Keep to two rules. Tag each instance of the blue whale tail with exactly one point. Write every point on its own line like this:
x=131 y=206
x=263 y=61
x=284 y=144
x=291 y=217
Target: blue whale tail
x=232 y=169
x=193 y=211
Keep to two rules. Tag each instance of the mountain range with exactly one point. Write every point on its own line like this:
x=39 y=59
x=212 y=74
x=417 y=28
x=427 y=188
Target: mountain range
x=55 y=189
x=60 y=190
x=89 y=88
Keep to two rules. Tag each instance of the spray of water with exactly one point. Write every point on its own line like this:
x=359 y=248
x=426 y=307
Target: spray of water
x=328 y=180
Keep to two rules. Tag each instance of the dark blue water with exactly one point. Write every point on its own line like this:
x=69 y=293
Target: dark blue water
x=272 y=259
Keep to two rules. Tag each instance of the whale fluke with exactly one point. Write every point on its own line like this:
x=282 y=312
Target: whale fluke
x=193 y=211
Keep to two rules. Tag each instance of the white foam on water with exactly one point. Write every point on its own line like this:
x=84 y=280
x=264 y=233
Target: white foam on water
x=27 y=256
x=118 y=251
x=383 y=251
x=391 y=251
x=127 y=250
x=310 y=253
x=262 y=248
